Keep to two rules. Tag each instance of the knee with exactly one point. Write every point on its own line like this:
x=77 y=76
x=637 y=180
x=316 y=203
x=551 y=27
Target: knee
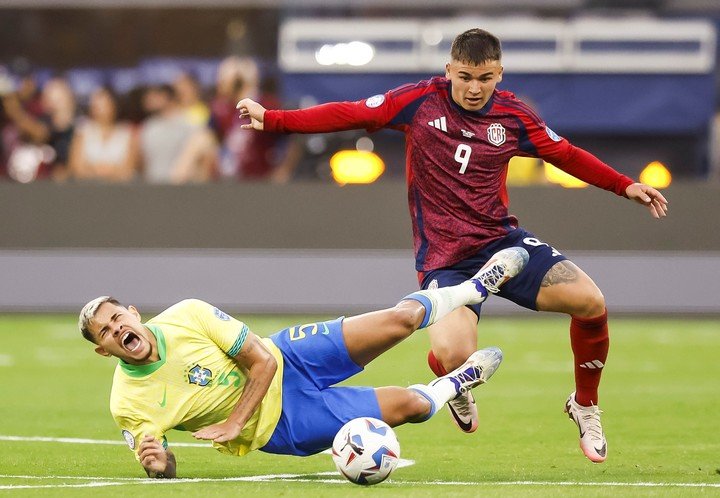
x=407 y=316
x=592 y=303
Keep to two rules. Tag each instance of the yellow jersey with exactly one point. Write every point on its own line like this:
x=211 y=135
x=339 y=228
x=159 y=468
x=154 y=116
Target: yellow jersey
x=195 y=383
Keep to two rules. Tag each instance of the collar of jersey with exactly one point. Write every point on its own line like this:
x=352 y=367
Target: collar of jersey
x=143 y=370
x=480 y=112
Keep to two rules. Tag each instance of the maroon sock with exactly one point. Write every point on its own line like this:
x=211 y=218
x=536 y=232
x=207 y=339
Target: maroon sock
x=435 y=365
x=590 y=342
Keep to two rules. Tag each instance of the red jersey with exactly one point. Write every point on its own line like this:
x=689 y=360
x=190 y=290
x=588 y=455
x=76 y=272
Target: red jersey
x=456 y=160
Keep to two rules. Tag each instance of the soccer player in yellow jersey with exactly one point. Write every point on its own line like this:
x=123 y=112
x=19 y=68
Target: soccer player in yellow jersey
x=194 y=368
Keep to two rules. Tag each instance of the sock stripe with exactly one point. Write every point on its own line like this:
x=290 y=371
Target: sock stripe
x=433 y=406
x=427 y=304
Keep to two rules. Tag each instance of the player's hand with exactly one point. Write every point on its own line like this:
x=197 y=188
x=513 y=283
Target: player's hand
x=648 y=196
x=255 y=112
x=152 y=455
x=220 y=433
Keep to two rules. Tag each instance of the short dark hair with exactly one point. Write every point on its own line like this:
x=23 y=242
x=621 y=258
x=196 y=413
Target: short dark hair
x=88 y=313
x=476 y=46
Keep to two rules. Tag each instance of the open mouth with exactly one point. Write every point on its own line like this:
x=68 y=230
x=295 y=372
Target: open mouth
x=131 y=341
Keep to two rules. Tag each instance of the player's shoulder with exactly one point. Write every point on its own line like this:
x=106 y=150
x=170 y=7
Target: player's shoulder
x=185 y=307
x=422 y=87
x=509 y=102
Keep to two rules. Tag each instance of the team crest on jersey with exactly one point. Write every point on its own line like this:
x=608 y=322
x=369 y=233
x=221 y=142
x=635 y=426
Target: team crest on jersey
x=375 y=101
x=496 y=134
x=553 y=136
x=433 y=285
x=221 y=315
x=200 y=376
x=129 y=439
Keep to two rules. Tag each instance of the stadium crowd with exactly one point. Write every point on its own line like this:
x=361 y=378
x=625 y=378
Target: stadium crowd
x=170 y=133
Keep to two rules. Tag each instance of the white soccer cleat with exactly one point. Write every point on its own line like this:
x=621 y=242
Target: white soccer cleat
x=592 y=437
x=501 y=267
x=464 y=412
x=477 y=370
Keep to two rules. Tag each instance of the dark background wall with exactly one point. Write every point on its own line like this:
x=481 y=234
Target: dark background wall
x=322 y=216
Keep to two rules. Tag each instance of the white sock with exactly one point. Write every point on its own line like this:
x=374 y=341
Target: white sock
x=439 y=302
x=438 y=392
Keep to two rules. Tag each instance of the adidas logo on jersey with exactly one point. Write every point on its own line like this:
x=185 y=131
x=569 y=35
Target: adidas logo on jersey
x=439 y=123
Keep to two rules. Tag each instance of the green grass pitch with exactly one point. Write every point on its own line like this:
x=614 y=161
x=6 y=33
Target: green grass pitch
x=660 y=396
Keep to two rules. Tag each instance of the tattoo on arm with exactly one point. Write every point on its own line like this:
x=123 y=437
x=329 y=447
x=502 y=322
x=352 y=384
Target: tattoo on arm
x=563 y=272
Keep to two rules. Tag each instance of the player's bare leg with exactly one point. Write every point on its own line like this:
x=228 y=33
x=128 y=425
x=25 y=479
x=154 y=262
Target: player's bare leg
x=368 y=336
x=419 y=402
x=455 y=335
x=450 y=340
x=567 y=289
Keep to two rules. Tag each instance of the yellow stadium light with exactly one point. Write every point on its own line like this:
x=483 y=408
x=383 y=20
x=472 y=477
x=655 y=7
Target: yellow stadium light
x=656 y=175
x=523 y=171
x=559 y=177
x=356 y=166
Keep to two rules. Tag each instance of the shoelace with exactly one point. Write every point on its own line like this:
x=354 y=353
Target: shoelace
x=493 y=276
x=592 y=424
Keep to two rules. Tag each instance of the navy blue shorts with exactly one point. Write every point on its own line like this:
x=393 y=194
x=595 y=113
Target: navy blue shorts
x=523 y=289
x=312 y=411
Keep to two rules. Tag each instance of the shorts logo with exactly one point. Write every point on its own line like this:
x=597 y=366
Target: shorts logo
x=221 y=315
x=433 y=285
x=553 y=136
x=375 y=101
x=496 y=134
x=129 y=439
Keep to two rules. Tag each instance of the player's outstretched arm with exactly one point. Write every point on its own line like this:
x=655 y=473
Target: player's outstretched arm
x=156 y=460
x=250 y=109
x=260 y=365
x=648 y=196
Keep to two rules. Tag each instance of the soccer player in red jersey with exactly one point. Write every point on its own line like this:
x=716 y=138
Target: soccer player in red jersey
x=460 y=133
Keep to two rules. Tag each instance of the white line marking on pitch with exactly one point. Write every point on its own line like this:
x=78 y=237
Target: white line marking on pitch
x=72 y=440
x=117 y=481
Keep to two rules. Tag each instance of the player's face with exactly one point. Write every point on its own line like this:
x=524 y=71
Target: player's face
x=473 y=85
x=119 y=332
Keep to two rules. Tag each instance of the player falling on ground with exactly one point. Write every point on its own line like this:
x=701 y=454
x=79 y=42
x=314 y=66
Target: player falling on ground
x=194 y=368
x=460 y=133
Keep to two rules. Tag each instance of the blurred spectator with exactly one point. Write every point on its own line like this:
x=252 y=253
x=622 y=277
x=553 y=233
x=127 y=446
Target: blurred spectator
x=188 y=91
x=103 y=148
x=234 y=75
x=173 y=149
x=25 y=94
x=55 y=126
x=249 y=154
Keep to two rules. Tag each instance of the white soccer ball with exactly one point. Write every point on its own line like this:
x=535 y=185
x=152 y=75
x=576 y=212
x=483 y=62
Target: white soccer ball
x=366 y=451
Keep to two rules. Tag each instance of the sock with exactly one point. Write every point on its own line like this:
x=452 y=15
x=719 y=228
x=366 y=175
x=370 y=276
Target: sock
x=590 y=343
x=437 y=393
x=435 y=365
x=439 y=302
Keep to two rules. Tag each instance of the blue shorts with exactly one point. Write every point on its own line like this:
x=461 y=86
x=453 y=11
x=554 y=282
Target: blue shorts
x=522 y=289
x=312 y=412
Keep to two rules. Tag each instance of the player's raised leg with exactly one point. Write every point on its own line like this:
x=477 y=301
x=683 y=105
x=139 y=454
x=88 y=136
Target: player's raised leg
x=369 y=335
x=419 y=402
x=566 y=288
x=456 y=335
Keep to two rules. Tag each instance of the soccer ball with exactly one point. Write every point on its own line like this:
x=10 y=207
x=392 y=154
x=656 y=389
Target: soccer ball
x=366 y=451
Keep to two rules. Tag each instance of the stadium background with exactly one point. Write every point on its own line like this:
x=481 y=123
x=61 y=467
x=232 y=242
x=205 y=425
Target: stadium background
x=313 y=246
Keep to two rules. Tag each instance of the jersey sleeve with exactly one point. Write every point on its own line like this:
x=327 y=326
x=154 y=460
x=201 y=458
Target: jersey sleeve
x=393 y=109
x=134 y=429
x=540 y=141
x=228 y=333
